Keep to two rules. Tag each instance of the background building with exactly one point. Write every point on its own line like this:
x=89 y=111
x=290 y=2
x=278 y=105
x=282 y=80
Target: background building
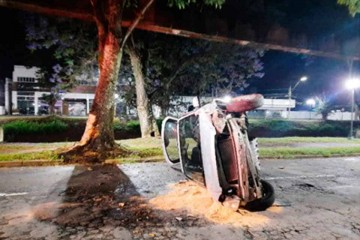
x=23 y=95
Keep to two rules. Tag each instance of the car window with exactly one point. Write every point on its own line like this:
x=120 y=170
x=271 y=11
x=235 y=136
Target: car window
x=191 y=158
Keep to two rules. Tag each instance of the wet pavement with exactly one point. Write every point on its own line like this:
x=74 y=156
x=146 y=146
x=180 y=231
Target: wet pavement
x=315 y=199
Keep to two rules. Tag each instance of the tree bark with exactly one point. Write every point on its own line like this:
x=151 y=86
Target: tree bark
x=146 y=118
x=98 y=142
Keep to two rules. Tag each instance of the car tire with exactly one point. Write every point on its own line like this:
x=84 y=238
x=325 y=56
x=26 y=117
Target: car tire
x=265 y=202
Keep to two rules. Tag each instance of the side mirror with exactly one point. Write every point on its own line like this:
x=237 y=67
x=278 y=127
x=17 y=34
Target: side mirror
x=169 y=133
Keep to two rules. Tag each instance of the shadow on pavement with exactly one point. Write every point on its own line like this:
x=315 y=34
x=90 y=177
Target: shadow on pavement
x=101 y=195
x=101 y=198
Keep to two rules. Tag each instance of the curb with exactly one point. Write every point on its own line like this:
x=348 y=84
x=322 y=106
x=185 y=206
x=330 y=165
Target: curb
x=35 y=163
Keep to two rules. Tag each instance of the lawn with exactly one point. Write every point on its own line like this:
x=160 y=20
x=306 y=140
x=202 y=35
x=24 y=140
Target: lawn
x=150 y=149
x=294 y=147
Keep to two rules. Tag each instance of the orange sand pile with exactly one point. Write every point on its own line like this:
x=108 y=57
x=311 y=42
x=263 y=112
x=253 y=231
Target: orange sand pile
x=196 y=200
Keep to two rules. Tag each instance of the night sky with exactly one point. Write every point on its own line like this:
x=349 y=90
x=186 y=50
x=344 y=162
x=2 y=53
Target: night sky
x=280 y=68
x=12 y=41
x=285 y=69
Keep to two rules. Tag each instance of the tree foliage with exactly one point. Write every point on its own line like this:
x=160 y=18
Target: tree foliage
x=72 y=45
x=98 y=142
x=182 y=4
x=324 y=105
x=176 y=66
x=353 y=5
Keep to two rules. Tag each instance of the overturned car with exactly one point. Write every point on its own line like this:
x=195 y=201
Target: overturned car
x=213 y=148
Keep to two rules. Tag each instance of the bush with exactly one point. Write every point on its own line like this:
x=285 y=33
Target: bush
x=57 y=129
x=30 y=127
x=284 y=128
x=132 y=125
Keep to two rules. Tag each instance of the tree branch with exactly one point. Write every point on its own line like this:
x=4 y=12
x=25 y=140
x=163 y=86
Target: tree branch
x=184 y=64
x=50 y=9
x=136 y=22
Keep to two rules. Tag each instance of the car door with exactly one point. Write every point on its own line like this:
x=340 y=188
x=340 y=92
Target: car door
x=189 y=147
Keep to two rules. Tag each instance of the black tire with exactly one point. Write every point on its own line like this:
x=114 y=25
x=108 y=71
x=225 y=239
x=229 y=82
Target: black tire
x=266 y=201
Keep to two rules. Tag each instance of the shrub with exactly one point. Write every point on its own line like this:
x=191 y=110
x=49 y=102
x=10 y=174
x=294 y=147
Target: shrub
x=133 y=125
x=118 y=125
x=284 y=128
x=20 y=127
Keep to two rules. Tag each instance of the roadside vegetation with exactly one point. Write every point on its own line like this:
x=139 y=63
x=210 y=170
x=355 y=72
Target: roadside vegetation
x=283 y=128
x=39 y=138
x=60 y=129
x=144 y=150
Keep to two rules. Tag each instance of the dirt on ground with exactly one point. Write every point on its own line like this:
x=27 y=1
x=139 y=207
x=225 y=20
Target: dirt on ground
x=196 y=201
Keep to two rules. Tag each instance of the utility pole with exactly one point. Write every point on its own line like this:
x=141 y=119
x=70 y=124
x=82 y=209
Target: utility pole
x=291 y=89
x=289 y=109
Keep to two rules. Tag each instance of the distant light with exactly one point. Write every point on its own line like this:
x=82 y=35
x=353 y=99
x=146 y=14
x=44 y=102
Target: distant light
x=303 y=78
x=352 y=83
x=311 y=102
x=116 y=96
x=226 y=99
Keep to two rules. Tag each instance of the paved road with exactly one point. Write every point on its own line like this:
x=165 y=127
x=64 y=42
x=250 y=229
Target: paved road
x=316 y=199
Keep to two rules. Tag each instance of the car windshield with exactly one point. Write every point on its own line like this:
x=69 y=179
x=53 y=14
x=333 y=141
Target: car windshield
x=189 y=133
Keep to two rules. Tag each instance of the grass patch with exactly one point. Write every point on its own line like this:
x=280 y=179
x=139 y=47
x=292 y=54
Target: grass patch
x=149 y=149
x=141 y=143
x=144 y=149
x=289 y=153
x=147 y=152
x=286 y=140
x=6 y=148
x=30 y=156
x=30 y=151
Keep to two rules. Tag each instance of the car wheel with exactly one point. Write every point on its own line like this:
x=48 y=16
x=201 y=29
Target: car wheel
x=266 y=201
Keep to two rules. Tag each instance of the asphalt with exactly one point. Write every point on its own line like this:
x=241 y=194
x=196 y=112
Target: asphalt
x=315 y=199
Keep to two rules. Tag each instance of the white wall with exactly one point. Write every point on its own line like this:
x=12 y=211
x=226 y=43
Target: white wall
x=346 y=116
x=21 y=71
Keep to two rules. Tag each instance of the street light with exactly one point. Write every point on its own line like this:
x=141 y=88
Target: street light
x=227 y=99
x=291 y=89
x=352 y=84
x=311 y=102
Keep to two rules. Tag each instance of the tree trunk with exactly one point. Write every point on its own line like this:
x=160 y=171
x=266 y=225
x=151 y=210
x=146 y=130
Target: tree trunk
x=155 y=129
x=324 y=115
x=142 y=100
x=97 y=142
x=52 y=108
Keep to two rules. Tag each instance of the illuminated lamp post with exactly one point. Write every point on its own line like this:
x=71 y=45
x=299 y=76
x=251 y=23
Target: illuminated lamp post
x=291 y=89
x=352 y=84
x=311 y=103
